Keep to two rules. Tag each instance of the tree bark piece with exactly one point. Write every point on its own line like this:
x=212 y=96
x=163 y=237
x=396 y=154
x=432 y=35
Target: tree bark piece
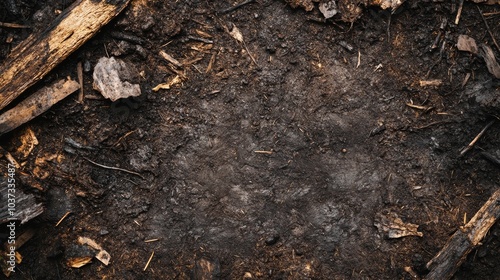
x=31 y=60
x=26 y=207
x=464 y=240
x=36 y=104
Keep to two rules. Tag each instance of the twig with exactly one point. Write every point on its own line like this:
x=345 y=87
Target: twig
x=250 y=54
x=114 y=168
x=204 y=40
x=149 y=260
x=62 y=218
x=491 y=14
x=473 y=142
x=491 y=158
x=488 y=28
x=79 y=72
x=237 y=6
x=13 y=25
x=459 y=13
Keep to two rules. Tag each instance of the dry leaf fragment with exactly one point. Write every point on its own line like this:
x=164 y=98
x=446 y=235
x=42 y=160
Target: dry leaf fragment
x=103 y=256
x=391 y=226
x=176 y=80
x=28 y=143
x=466 y=43
x=236 y=34
x=490 y=59
x=78 y=261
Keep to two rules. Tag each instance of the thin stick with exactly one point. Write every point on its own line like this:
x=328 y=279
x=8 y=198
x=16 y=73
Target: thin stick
x=264 y=152
x=249 y=54
x=491 y=158
x=13 y=25
x=237 y=6
x=473 y=142
x=491 y=14
x=63 y=217
x=115 y=168
x=488 y=28
x=151 y=240
x=79 y=72
x=150 y=258
x=459 y=13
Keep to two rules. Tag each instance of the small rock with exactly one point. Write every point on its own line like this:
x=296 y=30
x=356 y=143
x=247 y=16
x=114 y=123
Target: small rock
x=103 y=232
x=272 y=240
x=113 y=77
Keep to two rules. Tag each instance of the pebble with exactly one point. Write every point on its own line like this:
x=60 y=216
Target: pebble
x=272 y=240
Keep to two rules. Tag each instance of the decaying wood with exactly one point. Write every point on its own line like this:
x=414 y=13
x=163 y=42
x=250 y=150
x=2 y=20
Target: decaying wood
x=31 y=60
x=36 y=104
x=26 y=207
x=464 y=240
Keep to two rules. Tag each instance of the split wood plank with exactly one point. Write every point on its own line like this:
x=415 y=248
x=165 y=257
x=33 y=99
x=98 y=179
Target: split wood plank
x=36 y=104
x=36 y=56
x=464 y=240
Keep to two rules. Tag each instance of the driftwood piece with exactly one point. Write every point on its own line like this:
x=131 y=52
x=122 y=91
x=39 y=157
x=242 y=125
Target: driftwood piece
x=36 y=104
x=464 y=240
x=26 y=207
x=31 y=60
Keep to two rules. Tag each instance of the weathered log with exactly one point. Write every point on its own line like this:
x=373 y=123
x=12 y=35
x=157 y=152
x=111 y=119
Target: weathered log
x=464 y=240
x=36 y=104
x=31 y=60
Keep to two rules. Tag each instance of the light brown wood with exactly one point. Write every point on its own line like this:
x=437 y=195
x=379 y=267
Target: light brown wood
x=36 y=104
x=464 y=240
x=31 y=60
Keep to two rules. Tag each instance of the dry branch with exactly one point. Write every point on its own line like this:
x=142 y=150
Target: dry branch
x=31 y=60
x=36 y=104
x=464 y=240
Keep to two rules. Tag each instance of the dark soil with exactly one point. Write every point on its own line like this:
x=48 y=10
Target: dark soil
x=274 y=169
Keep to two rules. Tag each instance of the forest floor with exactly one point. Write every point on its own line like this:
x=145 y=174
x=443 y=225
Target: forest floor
x=275 y=157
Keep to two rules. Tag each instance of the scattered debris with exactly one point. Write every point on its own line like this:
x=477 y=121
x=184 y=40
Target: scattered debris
x=170 y=59
x=328 y=9
x=391 y=226
x=28 y=143
x=491 y=62
x=473 y=142
x=78 y=262
x=36 y=56
x=468 y=44
x=464 y=240
x=205 y=269
x=176 y=80
x=36 y=104
x=114 y=79
x=103 y=256
x=431 y=83
x=114 y=168
x=236 y=34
